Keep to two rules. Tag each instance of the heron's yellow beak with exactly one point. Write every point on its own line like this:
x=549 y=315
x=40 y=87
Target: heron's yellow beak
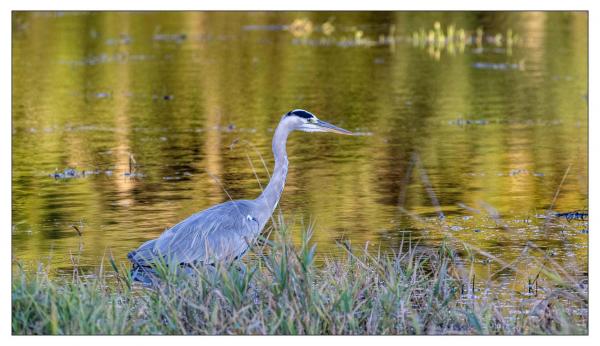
x=327 y=127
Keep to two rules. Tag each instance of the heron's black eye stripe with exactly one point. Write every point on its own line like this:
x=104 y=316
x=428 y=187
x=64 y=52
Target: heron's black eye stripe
x=301 y=113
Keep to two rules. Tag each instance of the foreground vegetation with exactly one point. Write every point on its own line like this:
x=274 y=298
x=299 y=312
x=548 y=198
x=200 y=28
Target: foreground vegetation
x=281 y=290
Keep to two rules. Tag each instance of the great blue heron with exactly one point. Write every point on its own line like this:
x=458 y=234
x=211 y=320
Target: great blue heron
x=225 y=232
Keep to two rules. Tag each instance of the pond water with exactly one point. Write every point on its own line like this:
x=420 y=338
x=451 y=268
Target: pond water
x=479 y=117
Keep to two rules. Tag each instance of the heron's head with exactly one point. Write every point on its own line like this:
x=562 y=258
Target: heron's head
x=308 y=122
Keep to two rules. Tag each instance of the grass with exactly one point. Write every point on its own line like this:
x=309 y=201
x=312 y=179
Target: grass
x=281 y=290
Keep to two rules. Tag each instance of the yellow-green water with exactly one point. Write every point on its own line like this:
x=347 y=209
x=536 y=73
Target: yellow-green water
x=487 y=121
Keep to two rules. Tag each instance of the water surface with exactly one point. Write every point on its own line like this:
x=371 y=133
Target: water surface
x=477 y=118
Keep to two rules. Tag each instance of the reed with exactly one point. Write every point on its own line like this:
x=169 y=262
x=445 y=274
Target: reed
x=281 y=289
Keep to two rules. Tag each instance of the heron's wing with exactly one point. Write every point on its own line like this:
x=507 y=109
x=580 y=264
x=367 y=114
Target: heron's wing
x=144 y=253
x=219 y=233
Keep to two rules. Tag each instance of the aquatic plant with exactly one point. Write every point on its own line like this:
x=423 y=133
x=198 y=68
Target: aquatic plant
x=455 y=40
x=280 y=289
x=328 y=28
x=301 y=27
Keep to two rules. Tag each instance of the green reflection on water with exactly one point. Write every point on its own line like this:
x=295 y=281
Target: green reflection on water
x=194 y=96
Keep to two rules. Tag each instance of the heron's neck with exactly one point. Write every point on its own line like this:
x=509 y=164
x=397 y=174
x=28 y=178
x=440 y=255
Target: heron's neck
x=273 y=191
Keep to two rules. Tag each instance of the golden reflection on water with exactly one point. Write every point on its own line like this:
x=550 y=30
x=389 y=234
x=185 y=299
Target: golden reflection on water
x=194 y=95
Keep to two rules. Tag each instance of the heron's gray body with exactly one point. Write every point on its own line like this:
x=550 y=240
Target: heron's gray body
x=215 y=234
x=225 y=232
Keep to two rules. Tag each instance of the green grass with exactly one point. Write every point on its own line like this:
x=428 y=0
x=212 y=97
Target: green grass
x=282 y=290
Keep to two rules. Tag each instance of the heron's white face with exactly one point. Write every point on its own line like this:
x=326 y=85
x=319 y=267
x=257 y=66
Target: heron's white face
x=308 y=122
